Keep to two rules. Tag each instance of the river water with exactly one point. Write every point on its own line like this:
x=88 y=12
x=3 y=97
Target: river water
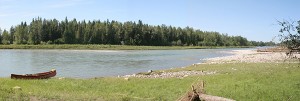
x=99 y=63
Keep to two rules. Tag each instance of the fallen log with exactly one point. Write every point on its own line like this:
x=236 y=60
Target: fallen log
x=206 y=97
x=191 y=96
x=198 y=95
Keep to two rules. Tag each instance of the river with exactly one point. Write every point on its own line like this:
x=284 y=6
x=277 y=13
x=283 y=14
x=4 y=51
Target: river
x=99 y=63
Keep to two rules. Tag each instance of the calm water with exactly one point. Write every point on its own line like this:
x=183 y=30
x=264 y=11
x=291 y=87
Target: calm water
x=96 y=63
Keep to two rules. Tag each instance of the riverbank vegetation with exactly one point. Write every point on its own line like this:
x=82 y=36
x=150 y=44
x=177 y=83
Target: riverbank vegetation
x=240 y=81
x=52 y=31
x=290 y=37
x=111 y=47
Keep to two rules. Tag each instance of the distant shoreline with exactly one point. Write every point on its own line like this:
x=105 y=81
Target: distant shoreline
x=112 y=47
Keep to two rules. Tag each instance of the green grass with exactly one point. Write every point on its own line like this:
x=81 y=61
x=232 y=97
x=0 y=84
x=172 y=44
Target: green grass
x=112 y=89
x=108 y=47
x=252 y=81
x=241 y=81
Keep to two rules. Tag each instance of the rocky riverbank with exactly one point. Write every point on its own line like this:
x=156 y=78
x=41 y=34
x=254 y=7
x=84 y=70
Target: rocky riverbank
x=240 y=56
x=180 y=74
x=252 y=56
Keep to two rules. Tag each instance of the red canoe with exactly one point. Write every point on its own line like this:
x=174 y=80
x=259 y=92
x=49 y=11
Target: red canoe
x=43 y=75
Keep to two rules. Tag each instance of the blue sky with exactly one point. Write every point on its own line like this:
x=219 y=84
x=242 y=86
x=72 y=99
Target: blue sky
x=253 y=19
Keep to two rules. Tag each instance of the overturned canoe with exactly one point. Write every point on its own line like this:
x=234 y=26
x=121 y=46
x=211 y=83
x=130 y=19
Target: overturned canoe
x=43 y=75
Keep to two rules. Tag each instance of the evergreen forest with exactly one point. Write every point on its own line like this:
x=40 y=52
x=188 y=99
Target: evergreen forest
x=52 y=31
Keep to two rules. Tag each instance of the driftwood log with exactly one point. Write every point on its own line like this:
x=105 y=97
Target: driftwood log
x=191 y=96
x=197 y=94
x=206 y=97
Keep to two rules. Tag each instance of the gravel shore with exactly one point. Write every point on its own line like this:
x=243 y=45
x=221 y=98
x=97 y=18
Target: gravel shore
x=240 y=56
x=180 y=74
x=251 y=56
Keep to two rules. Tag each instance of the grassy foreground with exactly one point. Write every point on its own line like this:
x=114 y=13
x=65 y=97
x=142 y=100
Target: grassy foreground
x=242 y=81
x=109 y=47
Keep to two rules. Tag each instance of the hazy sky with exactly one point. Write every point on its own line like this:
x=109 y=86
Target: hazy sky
x=253 y=19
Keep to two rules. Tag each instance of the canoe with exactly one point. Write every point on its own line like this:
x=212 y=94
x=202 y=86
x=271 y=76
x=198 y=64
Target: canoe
x=43 y=75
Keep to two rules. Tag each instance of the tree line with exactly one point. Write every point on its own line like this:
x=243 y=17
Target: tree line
x=52 y=31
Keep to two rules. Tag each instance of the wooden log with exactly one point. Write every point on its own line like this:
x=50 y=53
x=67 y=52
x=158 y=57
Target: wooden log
x=197 y=94
x=206 y=97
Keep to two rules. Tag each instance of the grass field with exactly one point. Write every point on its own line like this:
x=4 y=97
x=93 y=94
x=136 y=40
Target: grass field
x=112 y=89
x=253 y=81
x=109 y=47
x=241 y=81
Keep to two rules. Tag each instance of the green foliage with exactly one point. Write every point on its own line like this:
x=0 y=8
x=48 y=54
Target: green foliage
x=108 y=89
x=290 y=34
x=0 y=35
x=290 y=38
x=5 y=38
x=252 y=81
x=117 y=33
x=48 y=45
x=260 y=43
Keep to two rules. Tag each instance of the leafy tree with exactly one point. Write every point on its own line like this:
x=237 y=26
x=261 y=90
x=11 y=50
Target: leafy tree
x=5 y=37
x=35 y=30
x=12 y=31
x=20 y=34
x=0 y=35
x=290 y=36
